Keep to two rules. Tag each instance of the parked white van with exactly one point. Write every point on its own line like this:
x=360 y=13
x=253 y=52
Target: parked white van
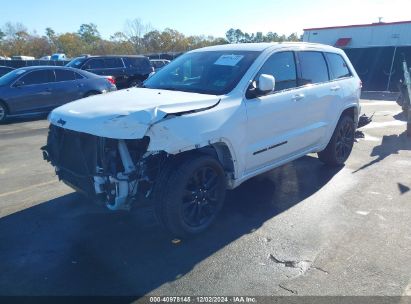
x=23 y=58
x=211 y=119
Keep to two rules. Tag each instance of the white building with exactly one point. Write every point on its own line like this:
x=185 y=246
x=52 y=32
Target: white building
x=376 y=50
x=362 y=35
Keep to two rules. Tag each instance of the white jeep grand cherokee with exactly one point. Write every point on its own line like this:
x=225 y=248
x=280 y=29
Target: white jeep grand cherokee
x=208 y=121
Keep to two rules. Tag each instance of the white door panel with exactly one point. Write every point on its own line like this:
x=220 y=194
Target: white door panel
x=275 y=127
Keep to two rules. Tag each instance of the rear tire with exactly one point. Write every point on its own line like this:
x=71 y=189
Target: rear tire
x=3 y=112
x=190 y=195
x=340 y=146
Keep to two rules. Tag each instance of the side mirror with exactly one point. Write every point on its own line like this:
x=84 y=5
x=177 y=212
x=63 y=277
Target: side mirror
x=266 y=83
x=151 y=74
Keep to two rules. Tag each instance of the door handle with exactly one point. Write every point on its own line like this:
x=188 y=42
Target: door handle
x=297 y=97
x=335 y=88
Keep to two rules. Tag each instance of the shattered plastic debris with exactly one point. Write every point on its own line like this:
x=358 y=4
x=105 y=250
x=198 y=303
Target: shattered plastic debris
x=362 y=212
x=290 y=290
x=292 y=264
x=364 y=120
x=303 y=265
x=359 y=134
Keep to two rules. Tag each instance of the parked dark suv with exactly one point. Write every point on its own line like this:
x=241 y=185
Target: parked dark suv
x=128 y=70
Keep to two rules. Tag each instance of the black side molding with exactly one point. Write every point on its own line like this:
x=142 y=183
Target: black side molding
x=270 y=147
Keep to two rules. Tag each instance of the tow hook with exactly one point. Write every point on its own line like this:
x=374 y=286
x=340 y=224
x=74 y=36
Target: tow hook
x=45 y=153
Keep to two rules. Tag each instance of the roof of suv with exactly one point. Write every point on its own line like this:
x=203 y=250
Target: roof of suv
x=120 y=56
x=265 y=45
x=42 y=67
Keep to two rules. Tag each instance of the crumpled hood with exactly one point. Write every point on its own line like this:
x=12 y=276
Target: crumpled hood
x=126 y=114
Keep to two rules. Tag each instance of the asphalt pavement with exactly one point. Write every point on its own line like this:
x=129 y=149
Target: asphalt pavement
x=301 y=229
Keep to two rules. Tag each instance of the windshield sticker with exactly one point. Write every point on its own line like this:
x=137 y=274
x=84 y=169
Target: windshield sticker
x=229 y=60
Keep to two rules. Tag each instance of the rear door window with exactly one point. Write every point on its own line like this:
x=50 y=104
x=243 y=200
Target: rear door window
x=64 y=75
x=338 y=66
x=38 y=77
x=94 y=64
x=113 y=63
x=313 y=67
x=282 y=67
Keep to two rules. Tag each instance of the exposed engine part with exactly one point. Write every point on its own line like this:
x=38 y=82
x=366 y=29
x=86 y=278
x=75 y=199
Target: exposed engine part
x=109 y=170
x=124 y=185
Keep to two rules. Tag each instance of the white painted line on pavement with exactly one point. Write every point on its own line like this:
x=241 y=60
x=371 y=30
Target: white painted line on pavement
x=379 y=103
x=383 y=124
x=28 y=188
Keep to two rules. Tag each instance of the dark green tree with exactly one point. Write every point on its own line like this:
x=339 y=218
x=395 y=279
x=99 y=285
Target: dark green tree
x=89 y=33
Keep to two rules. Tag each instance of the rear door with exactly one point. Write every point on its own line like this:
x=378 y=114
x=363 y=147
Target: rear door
x=66 y=87
x=344 y=88
x=34 y=92
x=319 y=95
x=138 y=67
x=115 y=67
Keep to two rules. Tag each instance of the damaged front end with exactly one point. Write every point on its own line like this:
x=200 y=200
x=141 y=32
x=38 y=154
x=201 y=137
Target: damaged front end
x=114 y=171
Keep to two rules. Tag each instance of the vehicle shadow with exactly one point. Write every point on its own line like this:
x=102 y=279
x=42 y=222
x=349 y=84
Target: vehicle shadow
x=391 y=144
x=26 y=118
x=403 y=188
x=67 y=246
x=400 y=116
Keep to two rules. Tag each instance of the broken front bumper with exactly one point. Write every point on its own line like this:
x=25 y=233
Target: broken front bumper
x=110 y=170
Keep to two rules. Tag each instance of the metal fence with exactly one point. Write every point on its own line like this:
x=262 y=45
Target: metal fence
x=24 y=63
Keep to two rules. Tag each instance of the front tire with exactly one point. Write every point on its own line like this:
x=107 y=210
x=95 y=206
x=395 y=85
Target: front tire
x=340 y=146
x=190 y=196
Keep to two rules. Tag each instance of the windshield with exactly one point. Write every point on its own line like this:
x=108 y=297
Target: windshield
x=208 y=72
x=76 y=63
x=10 y=76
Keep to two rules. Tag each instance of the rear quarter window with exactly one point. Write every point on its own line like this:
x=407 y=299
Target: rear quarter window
x=137 y=63
x=64 y=75
x=338 y=66
x=313 y=67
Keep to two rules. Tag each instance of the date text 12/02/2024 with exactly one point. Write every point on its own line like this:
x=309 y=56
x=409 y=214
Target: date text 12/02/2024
x=202 y=299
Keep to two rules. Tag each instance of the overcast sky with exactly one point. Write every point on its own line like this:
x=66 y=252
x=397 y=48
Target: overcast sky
x=196 y=17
